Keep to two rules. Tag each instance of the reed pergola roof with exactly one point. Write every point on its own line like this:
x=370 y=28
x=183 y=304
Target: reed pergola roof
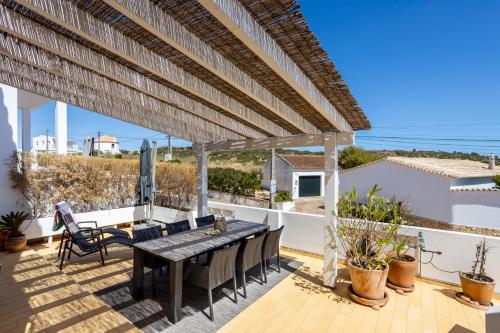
x=219 y=69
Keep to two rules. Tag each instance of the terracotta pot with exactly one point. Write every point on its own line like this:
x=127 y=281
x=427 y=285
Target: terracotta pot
x=3 y=236
x=402 y=272
x=368 y=284
x=15 y=244
x=479 y=291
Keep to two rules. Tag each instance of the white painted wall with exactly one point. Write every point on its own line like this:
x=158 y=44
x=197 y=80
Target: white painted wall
x=283 y=175
x=295 y=182
x=428 y=194
x=476 y=208
x=305 y=232
x=8 y=145
x=107 y=147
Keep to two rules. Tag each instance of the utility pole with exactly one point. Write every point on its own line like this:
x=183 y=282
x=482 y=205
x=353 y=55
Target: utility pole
x=98 y=143
x=170 y=147
x=47 y=140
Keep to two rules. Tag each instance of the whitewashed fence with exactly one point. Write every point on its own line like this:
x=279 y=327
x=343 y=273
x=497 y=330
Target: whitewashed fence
x=305 y=232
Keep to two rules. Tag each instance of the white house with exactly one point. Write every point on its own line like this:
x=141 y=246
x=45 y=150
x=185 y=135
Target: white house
x=39 y=144
x=300 y=175
x=107 y=144
x=446 y=190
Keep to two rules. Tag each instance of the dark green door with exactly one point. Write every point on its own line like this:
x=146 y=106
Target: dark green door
x=309 y=186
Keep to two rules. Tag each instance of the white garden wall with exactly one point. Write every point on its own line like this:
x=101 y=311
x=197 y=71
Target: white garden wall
x=428 y=194
x=305 y=232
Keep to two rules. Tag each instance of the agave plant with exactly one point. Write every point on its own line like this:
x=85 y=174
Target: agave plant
x=13 y=222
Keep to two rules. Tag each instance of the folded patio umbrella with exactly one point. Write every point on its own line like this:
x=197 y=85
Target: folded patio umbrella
x=145 y=180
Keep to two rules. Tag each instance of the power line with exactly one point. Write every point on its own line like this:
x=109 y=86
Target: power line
x=428 y=138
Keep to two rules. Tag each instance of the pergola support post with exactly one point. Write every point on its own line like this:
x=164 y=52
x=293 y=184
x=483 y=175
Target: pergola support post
x=61 y=118
x=202 y=157
x=272 y=175
x=331 y=200
x=26 y=130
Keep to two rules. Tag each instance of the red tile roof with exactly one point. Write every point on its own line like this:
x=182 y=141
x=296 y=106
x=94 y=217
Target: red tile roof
x=313 y=162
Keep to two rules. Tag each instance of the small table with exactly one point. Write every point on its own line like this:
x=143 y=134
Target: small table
x=180 y=247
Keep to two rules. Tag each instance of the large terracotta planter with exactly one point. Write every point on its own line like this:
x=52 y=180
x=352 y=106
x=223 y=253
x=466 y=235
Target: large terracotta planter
x=479 y=291
x=366 y=283
x=402 y=272
x=15 y=244
x=3 y=236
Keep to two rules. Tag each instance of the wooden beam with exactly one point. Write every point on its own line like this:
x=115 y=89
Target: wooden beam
x=202 y=156
x=69 y=16
x=311 y=140
x=105 y=105
x=33 y=33
x=331 y=199
x=166 y=28
x=237 y=19
x=31 y=57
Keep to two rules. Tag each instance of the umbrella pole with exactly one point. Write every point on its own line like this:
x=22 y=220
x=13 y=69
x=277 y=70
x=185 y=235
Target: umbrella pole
x=153 y=180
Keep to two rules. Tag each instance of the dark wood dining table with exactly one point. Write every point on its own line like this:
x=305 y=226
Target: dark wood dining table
x=181 y=247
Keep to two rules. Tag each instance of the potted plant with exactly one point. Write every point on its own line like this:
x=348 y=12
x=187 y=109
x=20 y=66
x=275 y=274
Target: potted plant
x=15 y=240
x=283 y=201
x=403 y=267
x=365 y=244
x=3 y=235
x=477 y=287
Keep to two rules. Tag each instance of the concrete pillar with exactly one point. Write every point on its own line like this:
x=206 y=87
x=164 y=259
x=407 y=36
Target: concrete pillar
x=26 y=130
x=61 y=127
x=202 y=182
x=8 y=139
x=331 y=200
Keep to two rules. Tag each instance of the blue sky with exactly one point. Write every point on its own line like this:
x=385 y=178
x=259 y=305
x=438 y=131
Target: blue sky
x=421 y=70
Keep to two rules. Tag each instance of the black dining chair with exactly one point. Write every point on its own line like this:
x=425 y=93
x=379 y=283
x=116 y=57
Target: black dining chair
x=219 y=269
x=176 y=227
x=153 y=263
x=250 y=255
x=271 y=248
x=204 y=220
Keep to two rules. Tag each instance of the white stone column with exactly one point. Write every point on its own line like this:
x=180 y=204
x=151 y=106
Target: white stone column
x=26 y=130
x=8 y=145
x=331 y=200
x=61 y=127
x=202 y=181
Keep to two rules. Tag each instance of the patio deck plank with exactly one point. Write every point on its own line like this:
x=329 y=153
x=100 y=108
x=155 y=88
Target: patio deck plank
x=42 y=299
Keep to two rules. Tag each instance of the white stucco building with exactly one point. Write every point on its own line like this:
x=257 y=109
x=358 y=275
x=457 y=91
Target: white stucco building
x=40 y=144
x=300 y=175
x=107 y=145
x=452 y=191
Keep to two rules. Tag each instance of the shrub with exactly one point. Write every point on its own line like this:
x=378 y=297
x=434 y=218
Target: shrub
x=282 y=197
x=234 y=181
x=351 y=157
x=91 y=183
x=175 y=185
x=118 y=156
x=496 y=179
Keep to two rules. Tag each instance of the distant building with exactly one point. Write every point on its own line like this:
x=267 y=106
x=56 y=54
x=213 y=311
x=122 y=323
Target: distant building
x=445 y=190
x=300 y=175
x=107 y=145
x=39 y=144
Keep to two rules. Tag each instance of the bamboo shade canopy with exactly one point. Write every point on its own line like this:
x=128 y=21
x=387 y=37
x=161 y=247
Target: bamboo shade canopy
x=121 y=63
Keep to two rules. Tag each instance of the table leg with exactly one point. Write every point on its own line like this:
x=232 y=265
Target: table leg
x=138 y=274
x=174 y=308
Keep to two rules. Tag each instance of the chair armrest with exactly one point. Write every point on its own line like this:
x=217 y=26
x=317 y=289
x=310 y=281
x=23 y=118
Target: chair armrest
x=88 y=222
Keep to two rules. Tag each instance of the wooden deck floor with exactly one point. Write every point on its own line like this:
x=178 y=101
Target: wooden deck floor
x=36 y=297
